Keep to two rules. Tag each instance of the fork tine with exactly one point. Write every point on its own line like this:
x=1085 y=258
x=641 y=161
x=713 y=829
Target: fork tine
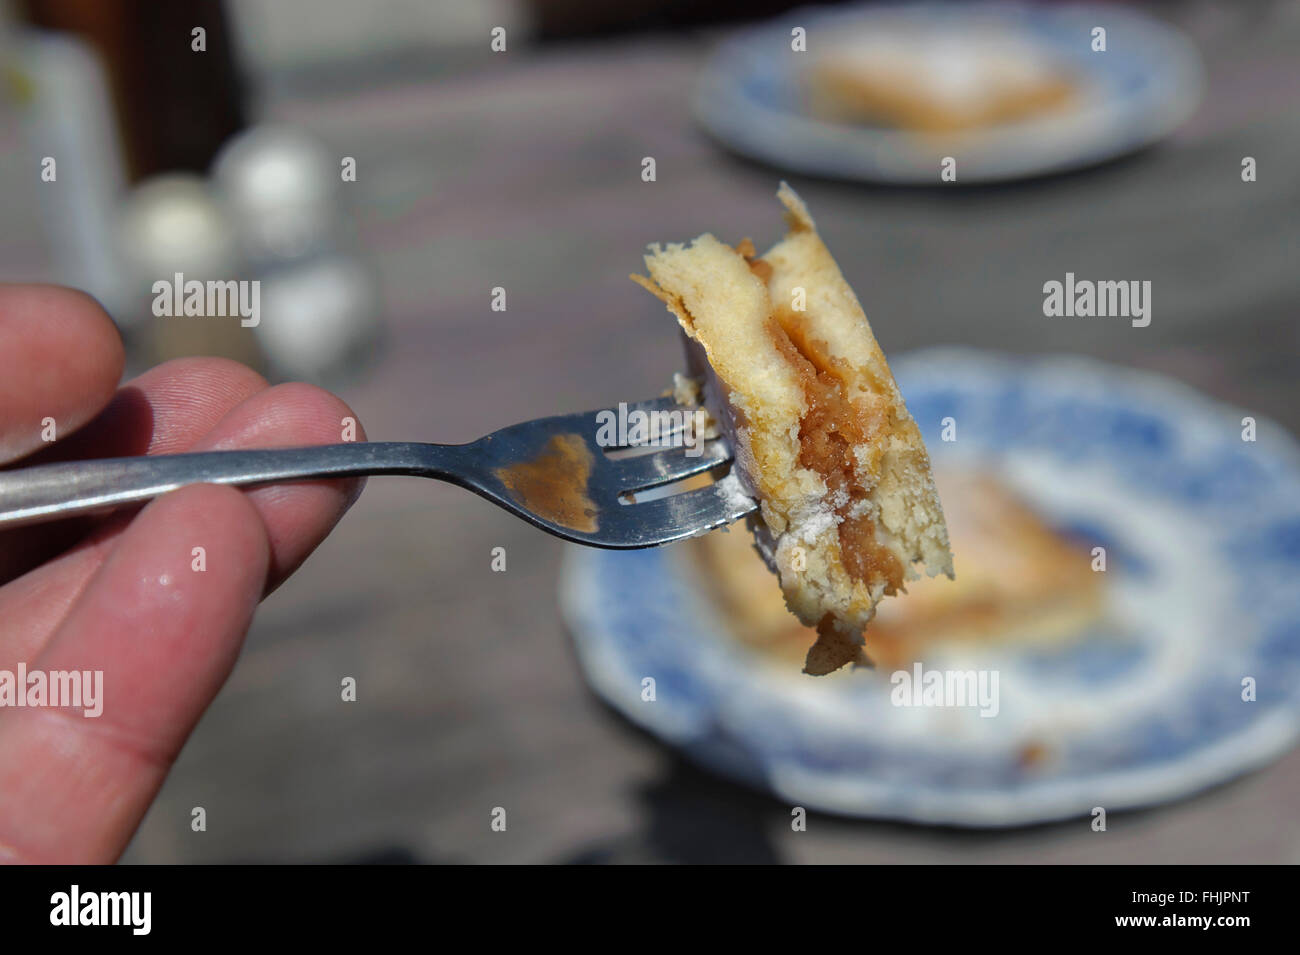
x=664 y=467
x=679 y=418
x=676 y=517
x=662 y=403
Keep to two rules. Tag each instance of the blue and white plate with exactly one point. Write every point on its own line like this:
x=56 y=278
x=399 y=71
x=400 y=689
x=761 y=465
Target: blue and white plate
x=1202 y=529
x=1145 y=84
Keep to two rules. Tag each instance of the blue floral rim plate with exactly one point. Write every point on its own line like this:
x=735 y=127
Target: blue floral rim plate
x=1139 y=90
x=1202 y=526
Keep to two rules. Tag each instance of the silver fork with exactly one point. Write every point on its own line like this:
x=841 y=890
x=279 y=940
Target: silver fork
x=551 y=472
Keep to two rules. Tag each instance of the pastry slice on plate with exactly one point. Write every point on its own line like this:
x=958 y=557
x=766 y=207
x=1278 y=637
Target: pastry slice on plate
x=790 y=368
x=932 y=79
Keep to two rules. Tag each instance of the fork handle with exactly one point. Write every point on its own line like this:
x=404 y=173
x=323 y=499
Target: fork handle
x=51 y=491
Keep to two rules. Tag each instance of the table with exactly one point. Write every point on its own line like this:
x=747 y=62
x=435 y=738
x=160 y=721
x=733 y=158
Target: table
x=523 y=171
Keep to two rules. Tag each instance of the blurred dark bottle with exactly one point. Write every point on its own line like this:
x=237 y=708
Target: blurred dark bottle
x=175 y=105
x=172 y=78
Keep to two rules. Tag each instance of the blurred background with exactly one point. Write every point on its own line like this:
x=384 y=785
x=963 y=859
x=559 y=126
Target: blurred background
x=381 y=168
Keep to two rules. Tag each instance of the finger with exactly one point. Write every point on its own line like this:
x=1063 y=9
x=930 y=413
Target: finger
x=164 y=410
x=62 y=359
x=297 y=515
x=164 y=636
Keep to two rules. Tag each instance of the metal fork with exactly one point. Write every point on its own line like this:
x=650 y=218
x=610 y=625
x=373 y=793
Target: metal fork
x=551 y=472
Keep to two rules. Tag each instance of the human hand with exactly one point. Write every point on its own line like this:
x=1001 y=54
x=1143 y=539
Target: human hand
x=119 y=594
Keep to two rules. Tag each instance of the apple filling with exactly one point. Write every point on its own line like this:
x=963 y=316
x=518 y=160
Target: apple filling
x=831 y=427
